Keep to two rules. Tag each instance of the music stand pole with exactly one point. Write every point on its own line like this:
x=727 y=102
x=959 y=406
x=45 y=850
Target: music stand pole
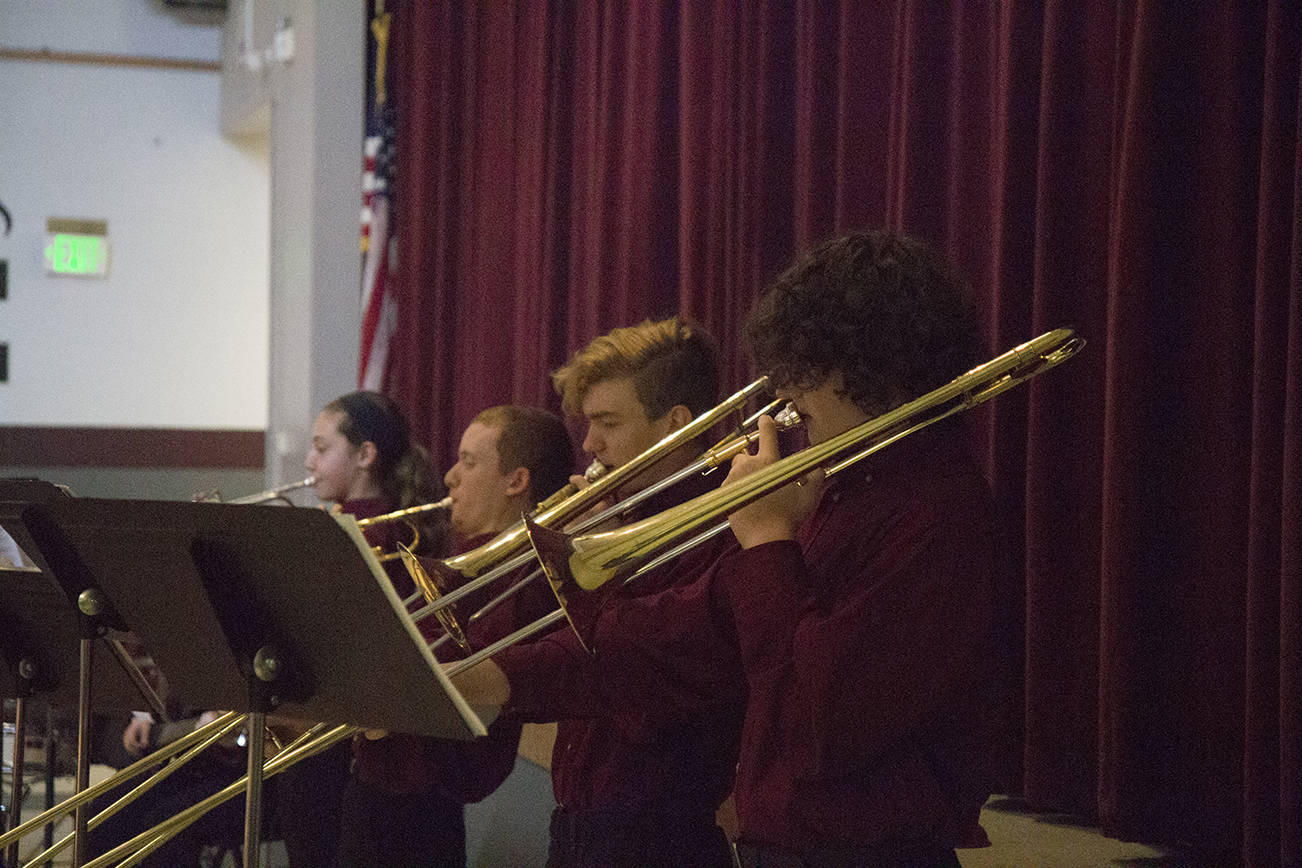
x=15 y=791
x=90 y=603
x=267 y=668
x=51 y=756
x=26 y=671
x=253 y=792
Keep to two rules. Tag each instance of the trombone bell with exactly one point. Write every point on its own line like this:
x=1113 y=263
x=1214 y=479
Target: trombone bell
x=555 y=552
x=430 y=590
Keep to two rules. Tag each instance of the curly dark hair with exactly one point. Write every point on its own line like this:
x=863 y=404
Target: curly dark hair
x=880 y=308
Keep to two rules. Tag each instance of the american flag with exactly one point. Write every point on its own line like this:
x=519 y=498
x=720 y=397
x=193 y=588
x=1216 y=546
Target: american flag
x=379 y=247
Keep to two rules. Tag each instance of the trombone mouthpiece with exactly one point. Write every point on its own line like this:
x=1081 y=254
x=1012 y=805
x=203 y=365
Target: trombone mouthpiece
x=787 y=417
x=595 y=470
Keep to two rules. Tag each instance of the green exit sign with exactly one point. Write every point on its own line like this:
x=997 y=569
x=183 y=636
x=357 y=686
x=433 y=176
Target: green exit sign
x=76 y=247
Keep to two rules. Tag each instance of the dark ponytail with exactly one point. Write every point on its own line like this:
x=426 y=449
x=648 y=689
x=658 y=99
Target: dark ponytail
x=403 y=468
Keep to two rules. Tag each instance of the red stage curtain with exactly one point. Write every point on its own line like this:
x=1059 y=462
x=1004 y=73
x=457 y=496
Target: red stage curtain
x=1128 y=169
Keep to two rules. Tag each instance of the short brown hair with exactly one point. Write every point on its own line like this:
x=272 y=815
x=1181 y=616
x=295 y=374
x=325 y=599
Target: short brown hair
x=670 y=361
x=534 y=439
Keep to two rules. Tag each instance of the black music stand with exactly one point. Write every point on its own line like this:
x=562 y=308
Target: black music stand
x=255 y=609
x=46 y=644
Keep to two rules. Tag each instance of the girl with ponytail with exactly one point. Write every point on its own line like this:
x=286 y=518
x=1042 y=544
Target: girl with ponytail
x=366 y=464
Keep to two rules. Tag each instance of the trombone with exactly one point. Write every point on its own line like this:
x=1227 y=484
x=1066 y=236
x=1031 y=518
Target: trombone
x=588 y=562
x=508 y=550
x=710 y=460
x=579 y=564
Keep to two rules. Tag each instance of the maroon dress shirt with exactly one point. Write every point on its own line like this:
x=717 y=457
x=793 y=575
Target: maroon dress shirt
x=869 y=650
x=464 y=771
x=609 y=754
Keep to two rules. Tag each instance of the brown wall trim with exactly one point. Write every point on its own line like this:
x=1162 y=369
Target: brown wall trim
x=129 y=447
x=48 y=56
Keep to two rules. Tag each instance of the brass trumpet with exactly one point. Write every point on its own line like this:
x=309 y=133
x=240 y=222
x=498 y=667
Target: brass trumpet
x=215 y=496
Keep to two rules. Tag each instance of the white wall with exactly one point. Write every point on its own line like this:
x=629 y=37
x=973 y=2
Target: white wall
x=177 y=335
x=312 y=104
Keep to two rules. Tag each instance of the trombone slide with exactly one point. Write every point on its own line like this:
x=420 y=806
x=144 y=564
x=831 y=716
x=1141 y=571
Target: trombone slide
x=594 y=559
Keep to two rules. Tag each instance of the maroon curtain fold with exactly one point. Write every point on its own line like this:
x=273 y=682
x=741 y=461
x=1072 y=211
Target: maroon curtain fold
x=1273 y=691
x=1130 y=170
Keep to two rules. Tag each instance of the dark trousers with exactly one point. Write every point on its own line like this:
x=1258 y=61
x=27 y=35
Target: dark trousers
x=389 y=830
x=614 y=839
x=892 y=855
x=309 y=806
x=222 y=827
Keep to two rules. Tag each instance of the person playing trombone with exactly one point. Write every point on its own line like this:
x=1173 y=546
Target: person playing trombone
x=403 y=804
x=863 y=613
x=629 y=791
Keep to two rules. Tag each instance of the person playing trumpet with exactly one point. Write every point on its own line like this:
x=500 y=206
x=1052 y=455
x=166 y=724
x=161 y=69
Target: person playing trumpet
x=863 y=613
x=366 y=463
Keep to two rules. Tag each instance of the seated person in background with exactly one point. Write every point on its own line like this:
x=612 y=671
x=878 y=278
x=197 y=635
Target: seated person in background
x=403 y=805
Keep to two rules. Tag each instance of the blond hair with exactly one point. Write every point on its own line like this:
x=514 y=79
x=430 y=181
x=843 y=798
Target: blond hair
x=670 y=361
